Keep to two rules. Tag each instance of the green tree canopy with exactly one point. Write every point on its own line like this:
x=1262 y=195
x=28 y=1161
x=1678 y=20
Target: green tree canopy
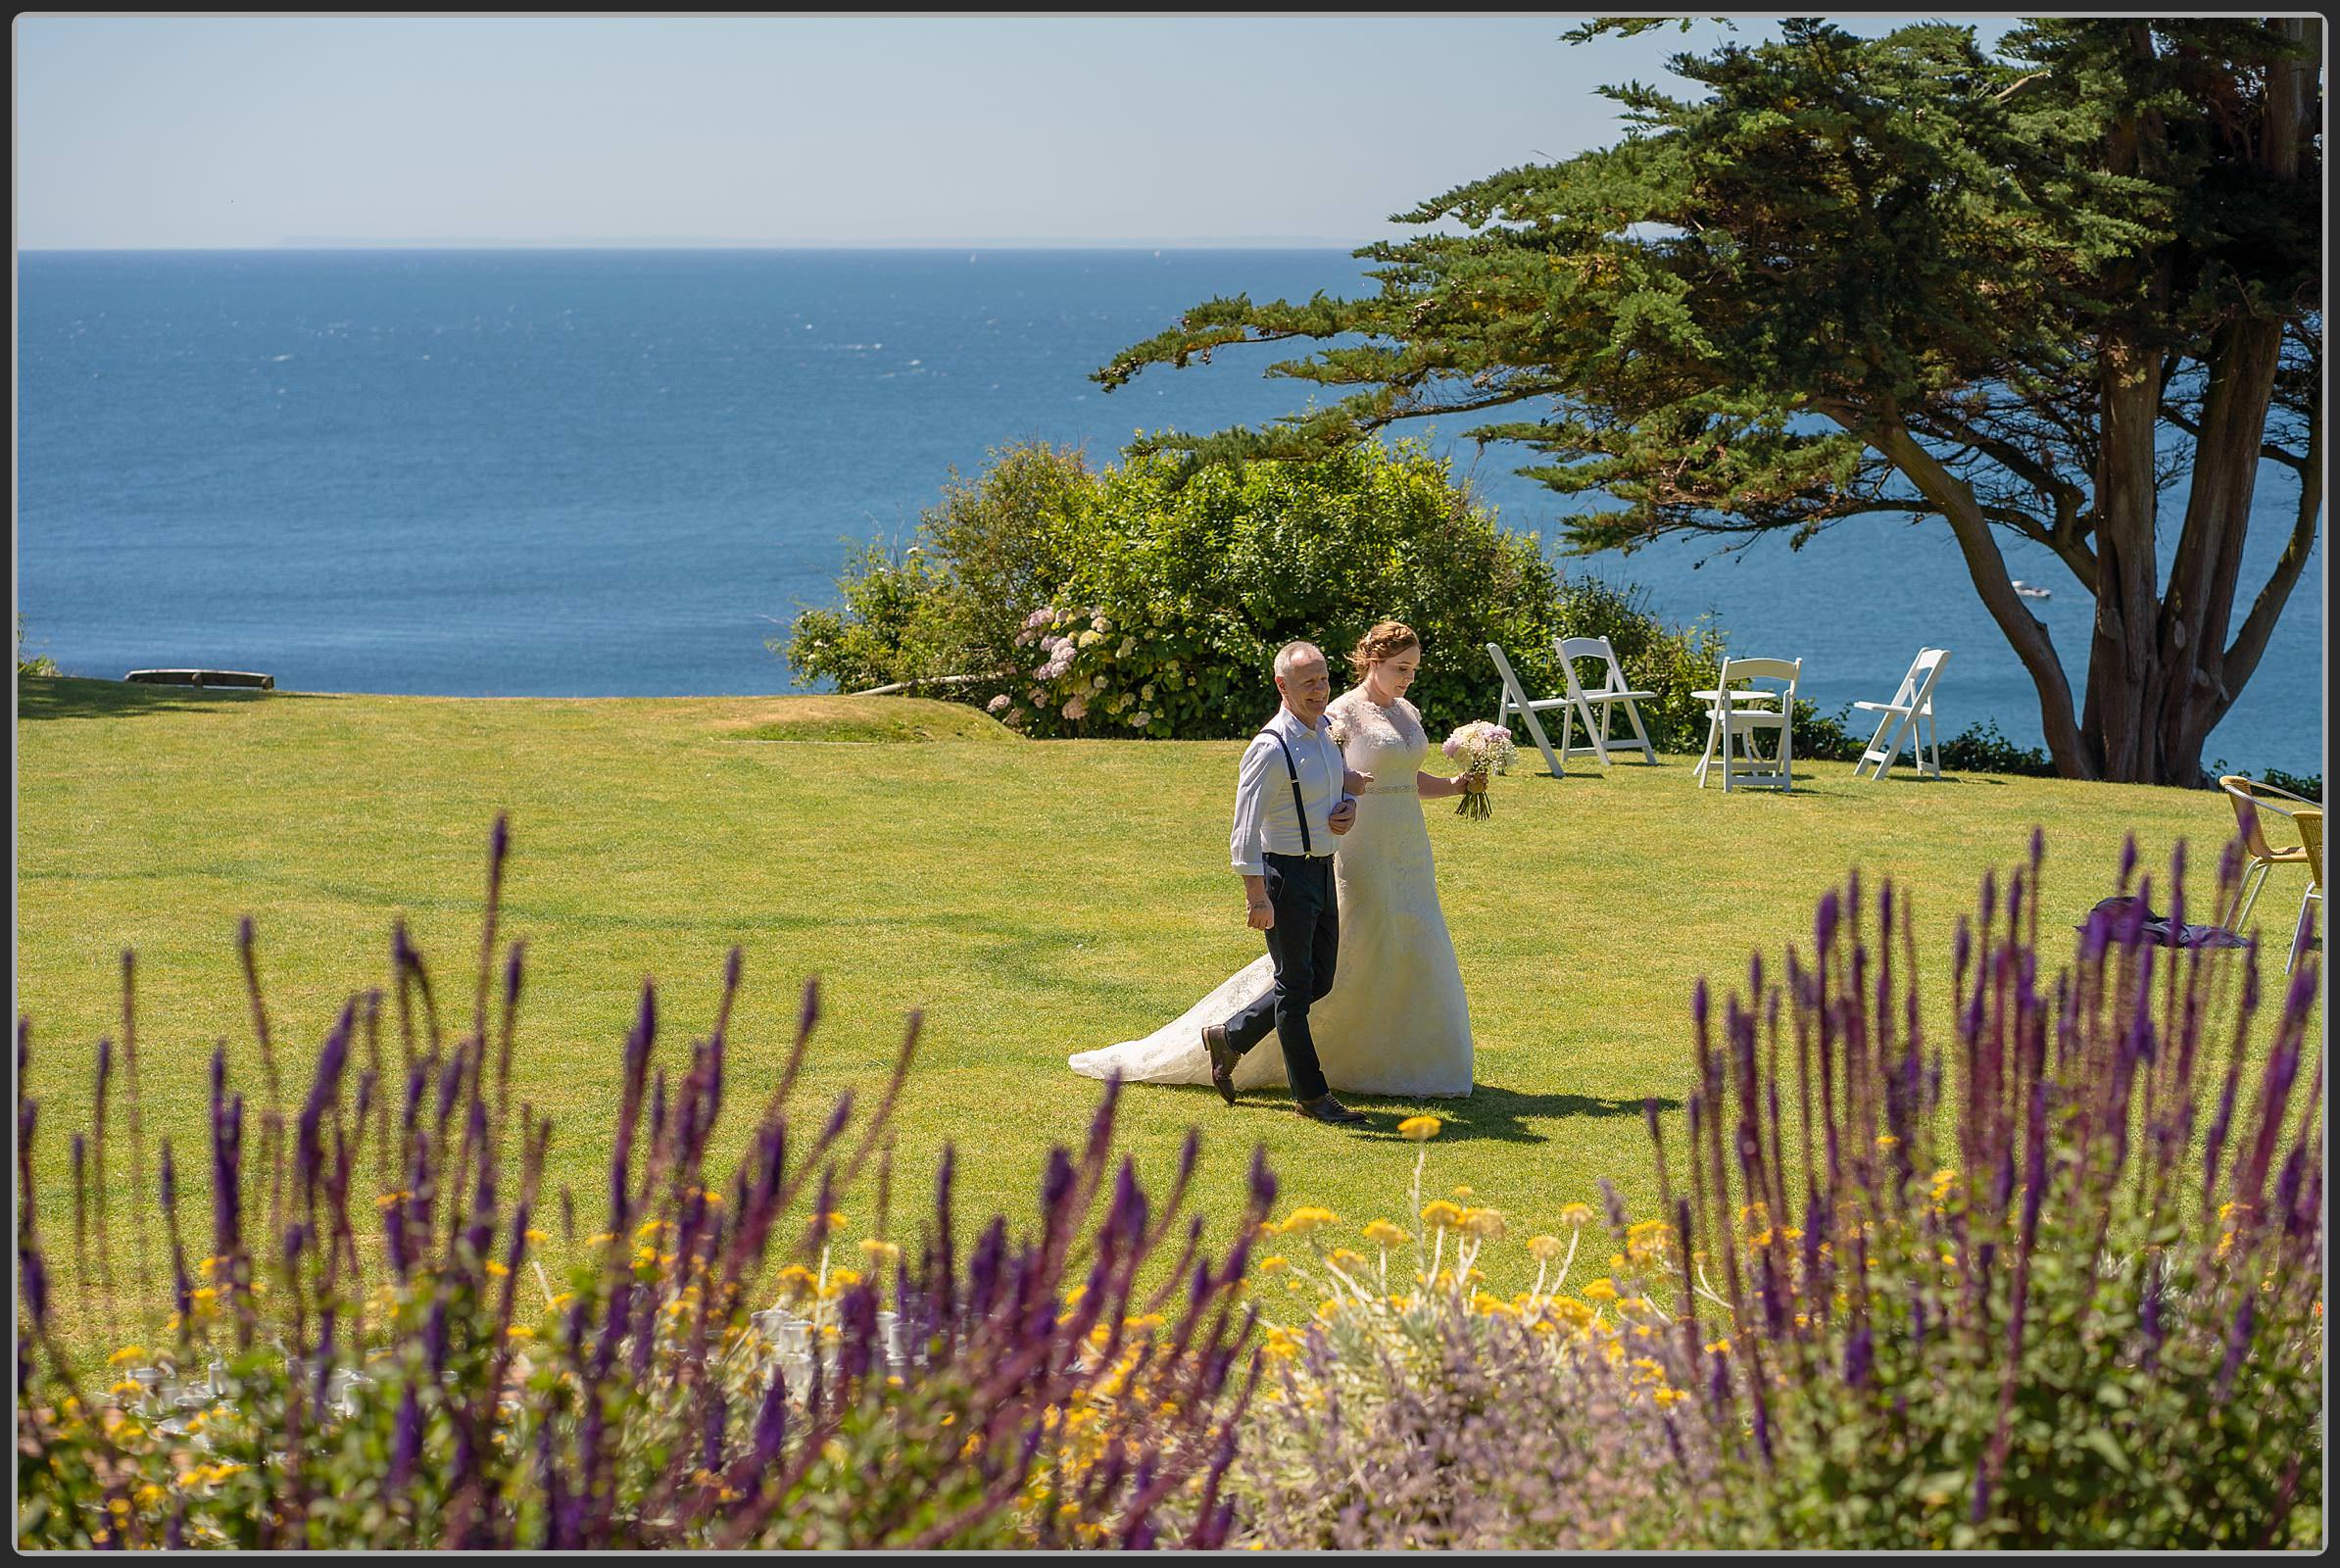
x=1117 y=602
x=2026 y=292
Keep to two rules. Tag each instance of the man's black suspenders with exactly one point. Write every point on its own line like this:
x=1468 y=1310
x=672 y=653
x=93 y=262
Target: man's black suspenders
x=1291 y=769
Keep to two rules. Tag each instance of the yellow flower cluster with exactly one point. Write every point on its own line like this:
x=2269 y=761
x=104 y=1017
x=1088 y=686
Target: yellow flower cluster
x=1439 y=1214
x=1109 y=1417
x=1301 y=1222
x=207 y=1475
x=1646 y=1243
x=1483 y=1223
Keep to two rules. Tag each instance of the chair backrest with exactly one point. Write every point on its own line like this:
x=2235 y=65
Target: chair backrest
x=1572 y=649
x=1514 y=694
x=2248 y=797
x=2309 y=822
x=1739 y=672
x=1917 y=685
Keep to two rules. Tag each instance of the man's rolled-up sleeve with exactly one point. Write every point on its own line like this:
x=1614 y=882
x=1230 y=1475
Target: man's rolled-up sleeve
x=1247 y=844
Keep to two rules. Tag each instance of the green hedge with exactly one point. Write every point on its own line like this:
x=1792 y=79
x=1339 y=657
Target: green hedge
x=1118 y=601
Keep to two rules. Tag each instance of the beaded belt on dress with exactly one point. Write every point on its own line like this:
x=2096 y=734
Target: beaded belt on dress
x=1407 y=788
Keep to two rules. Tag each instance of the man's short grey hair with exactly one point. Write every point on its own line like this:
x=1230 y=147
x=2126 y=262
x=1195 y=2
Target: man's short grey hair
x=1291 y=656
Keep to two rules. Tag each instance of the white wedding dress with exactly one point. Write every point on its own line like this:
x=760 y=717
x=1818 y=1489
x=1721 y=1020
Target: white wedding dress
x=1396 y=1021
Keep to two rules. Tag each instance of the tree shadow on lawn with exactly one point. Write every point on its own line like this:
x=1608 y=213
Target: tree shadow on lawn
x=71 y=697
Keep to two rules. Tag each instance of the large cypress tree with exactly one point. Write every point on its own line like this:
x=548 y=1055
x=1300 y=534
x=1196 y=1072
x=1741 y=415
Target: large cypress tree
x=2028 y=291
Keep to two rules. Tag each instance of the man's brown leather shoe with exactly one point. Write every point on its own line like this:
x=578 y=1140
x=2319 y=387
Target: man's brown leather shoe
x=1222 y=1059
x=1329 y=1109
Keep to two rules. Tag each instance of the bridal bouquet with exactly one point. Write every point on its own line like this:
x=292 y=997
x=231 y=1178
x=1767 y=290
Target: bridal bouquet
x=1483 y=749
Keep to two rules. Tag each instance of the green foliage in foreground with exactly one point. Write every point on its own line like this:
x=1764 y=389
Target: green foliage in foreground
x=2036 y=1265
x=1034 y=899
x=2210 y=1435
x=1118 y=603
x=915 y=1398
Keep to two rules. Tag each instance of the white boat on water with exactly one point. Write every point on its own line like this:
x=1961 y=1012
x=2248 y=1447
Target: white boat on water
x=2028 y=590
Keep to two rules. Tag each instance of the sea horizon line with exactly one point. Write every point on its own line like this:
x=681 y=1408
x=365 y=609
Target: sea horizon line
x=1012 y=242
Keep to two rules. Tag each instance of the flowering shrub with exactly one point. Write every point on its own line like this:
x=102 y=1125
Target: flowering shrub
x=1416 y=1409
x=2048 y=1278
x=1998 y=1300
x=1123 y=603
x=1025 y=1393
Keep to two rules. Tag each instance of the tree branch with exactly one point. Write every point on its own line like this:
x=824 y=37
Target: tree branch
x=2267 y=450
x=2025 y=633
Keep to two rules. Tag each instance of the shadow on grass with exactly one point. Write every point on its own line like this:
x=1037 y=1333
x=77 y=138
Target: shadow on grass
x=71 y=697
x=1493 y=1112
x=1503 y=1115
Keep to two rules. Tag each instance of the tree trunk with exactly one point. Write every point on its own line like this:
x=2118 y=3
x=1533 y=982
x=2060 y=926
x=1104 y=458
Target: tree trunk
x=2125 y=668
x=2200 y=601
x=2125 y=673
x=2196 y=691
x=2025 y=631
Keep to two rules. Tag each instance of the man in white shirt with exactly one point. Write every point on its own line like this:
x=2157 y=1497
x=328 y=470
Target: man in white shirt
x=1293 y=793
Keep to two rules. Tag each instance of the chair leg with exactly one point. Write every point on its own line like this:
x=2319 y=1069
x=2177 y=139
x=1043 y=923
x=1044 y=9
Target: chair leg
x=2246 y=892
x=1648 y=751
x=1543 y=742
x=1599 y=737
x=1868 y=756
x=1933 y=740
x=1515 y=701
x=2299 y=931
x=1897 y=723
x=1706 y=757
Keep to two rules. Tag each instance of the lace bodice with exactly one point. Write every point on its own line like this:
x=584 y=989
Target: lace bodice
x=1386 y=742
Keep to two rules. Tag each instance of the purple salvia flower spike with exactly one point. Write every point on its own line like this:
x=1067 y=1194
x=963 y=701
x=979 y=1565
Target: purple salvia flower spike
x=33 y=1271
x=406 y=1441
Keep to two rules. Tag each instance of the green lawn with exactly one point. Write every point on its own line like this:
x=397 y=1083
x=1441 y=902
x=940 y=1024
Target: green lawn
x=1034 y=898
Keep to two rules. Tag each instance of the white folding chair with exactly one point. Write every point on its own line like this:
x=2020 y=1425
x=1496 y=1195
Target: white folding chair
x=1738 y=711
x=1610 y=692
x=1911 y=705
x=1515 y=700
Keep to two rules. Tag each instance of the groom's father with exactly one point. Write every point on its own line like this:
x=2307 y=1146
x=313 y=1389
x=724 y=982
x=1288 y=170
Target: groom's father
x=1292 y=795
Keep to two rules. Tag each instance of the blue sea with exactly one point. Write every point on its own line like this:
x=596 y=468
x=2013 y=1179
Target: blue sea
x=619 y=473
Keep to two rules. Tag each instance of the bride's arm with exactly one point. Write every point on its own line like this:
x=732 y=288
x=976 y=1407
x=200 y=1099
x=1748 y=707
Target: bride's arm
x=1435 y=786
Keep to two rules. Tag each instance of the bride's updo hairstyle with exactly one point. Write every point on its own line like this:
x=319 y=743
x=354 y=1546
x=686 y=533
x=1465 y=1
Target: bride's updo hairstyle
x=1386 y=640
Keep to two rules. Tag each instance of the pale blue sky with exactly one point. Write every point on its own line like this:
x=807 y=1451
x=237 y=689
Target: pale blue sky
x=234 y=131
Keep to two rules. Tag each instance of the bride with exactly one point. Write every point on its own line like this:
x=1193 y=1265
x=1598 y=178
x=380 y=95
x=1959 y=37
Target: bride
x=1396 y=1021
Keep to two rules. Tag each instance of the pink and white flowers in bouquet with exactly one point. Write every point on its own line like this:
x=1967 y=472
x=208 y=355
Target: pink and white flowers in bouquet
x=1483 y=749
